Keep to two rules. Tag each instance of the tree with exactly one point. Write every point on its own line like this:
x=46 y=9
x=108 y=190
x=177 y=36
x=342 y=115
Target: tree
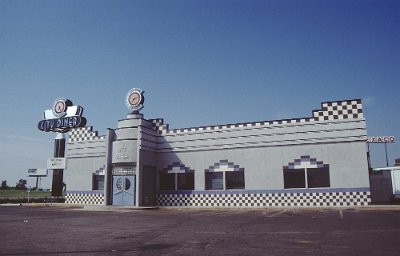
x=21 y=184
x=3 y=184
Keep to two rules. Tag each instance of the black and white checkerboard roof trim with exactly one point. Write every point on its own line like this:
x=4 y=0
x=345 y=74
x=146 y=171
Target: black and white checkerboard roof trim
x=242 y=199
x=332 y=110
x=83 y=134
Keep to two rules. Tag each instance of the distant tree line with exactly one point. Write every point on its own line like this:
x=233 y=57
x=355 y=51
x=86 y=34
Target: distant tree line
x=21 y=184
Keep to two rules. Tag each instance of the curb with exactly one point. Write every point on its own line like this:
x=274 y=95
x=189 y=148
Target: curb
x=135 y=208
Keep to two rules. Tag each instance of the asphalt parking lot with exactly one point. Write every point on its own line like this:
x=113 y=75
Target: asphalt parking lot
x=34 y=230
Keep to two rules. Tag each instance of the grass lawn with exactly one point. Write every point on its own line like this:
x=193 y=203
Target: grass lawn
x=14 y=193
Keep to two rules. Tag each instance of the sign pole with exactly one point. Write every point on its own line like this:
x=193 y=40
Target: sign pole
x=28 y=189
x=369 y=159
x=37 y=182
x=381 y=139
x=59 y=151
x=387 y=162
x=60 y=119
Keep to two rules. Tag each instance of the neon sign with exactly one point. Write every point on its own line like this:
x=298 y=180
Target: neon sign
x=62 y=117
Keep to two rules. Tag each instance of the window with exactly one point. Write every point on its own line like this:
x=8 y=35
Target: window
x=177 y=177
x=224 y=175
x=294 y=178
x=167 y=181
x=98 y=182
x=176 y=181
x=214 y=180
x=318 y=177
x=185 y=181
x=235 y=180
x=306 y=172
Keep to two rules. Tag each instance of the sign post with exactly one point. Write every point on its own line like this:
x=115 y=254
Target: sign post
x=28 y=190
x=60 y=119
x=59 y=151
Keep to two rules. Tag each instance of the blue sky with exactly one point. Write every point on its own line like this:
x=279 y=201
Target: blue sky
x=199 y=62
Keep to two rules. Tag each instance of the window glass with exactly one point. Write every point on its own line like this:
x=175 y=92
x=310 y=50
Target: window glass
x=186 y=181
x=294 y=178
x=118 y=184
x=318 y=177
x=234 y=180
x=98 y=182
x=127 y=184
x=214 y=180
x=167 y=181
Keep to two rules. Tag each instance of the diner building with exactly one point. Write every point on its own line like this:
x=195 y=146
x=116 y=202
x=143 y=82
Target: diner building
x=315 y=161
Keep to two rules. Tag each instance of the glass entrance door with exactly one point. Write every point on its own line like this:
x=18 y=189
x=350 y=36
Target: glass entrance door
x=124 y=190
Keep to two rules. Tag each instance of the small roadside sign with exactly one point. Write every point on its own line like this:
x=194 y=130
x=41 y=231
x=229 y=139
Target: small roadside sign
x=56 y=163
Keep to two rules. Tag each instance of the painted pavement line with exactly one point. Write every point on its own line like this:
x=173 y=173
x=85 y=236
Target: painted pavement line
x=276 y=214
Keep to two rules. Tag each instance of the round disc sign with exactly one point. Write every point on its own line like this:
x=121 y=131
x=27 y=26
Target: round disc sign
x=60 y=107
x=135 y=99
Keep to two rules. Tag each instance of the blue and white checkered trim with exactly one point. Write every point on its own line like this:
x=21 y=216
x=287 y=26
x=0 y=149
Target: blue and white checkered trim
x=83 y=134
x=85 y=197
x=339 y=110
x=282 y=198
x=333 y=110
